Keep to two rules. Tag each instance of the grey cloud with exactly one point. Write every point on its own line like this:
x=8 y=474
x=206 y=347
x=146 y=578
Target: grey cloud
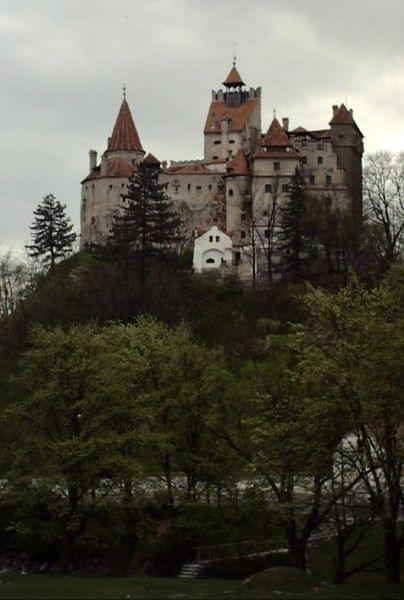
x=63 y=64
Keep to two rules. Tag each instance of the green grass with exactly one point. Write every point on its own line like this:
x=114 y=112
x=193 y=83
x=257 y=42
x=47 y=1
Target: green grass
x=274 y=584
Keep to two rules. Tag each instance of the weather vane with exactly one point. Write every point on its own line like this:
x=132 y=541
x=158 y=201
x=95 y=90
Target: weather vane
x=124 y=91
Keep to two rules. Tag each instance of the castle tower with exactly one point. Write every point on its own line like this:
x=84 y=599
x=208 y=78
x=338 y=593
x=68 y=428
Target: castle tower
x=347 y=142
x=233 y=121
x=106 y=182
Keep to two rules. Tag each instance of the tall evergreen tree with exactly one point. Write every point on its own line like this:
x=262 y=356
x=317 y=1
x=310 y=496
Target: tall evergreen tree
x=293 y=237
x=146 y=226
x=52 y=232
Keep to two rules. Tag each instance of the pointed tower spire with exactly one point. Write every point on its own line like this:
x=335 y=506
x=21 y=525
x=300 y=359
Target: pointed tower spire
x=124 y=135
x=233 y=79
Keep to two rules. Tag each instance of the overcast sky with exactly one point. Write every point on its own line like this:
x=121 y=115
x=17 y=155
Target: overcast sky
x=63 y=64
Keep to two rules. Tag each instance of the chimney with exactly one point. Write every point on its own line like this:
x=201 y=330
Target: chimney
x=93 y=159
x=351 y=112
x=285 y=123
x=334 y=110
x=164 y=164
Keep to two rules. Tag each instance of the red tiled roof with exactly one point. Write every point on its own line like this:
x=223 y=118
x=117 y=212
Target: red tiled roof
x=275 y=136
x=299 y=130
x=151 y=160
x=115 y=167
x=238 y=115
x=195 y=169
x=239 y=164
x=321 y=134
x=276 y=154
x=124 y=135
x=342 y=117
x=233 y=79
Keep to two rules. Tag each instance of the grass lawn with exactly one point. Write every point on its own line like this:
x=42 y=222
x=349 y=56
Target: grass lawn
x=55 y=587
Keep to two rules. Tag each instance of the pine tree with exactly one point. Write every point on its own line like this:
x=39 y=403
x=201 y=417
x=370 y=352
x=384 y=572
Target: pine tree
x=293 y=237
x=146 y=226
x=52 y=232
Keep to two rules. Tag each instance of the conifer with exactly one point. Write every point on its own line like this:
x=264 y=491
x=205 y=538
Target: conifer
x=146 y=225
x=52 y=232
x=293 y=236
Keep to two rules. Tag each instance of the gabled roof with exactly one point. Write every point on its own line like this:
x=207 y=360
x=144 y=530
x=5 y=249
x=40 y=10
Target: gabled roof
x=115 y=167
x=276 y=136
x=238 y=115
x=239 y=164
x=342 y=117
x=151 y=160
x=233 y=79
x=124 y=135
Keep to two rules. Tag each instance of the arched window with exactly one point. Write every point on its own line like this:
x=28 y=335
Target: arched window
x=210 y=261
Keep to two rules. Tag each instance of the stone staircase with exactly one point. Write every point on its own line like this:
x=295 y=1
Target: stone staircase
x=191 y=570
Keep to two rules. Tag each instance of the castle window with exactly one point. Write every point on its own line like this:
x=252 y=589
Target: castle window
x=237 y=258
x=242 y=216
x=304 y=160
x=215 y=220
x=285 y=188
x=123 y=185
x=218 y=238
x=277 y=166
x=110 y=186
x=242 y=234
x=319 y=145
x=230 y=192
x=268 y=188
x=217 y=142
x=319 y=160
x=198 y=188
x=266 y=233
x=189 y=186
x=231 y=142
x=211 y=238
x=341 y=135
x=210 y=186
x=312 y=179
x=215 y=157
x=92 y=220
x=328 y=180
x=210 y=261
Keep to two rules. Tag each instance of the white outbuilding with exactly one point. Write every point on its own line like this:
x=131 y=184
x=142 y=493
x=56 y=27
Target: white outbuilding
x=211 y=250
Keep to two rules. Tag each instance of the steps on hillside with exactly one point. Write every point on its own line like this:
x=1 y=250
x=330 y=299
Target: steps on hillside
x=191 y=570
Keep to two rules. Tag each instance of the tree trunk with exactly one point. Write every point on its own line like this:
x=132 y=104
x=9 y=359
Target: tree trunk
x=392 y=547
x=297 y=548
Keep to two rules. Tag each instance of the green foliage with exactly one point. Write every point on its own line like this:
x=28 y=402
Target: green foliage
x=52 y=232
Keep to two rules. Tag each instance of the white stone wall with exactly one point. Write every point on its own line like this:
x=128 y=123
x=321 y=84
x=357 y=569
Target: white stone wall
x=100 y=199
x=211 y=250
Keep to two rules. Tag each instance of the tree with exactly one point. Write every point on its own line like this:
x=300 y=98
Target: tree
x=163 y=378
x=384 y=204
x=52 y=232
x=338 y=233
x=351 y=346
x=293 y=236
x=146 y=225
x=287 y=437
x=61 y=426
x=16 y=281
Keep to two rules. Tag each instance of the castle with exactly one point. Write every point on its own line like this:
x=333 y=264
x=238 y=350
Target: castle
x=243 y=175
